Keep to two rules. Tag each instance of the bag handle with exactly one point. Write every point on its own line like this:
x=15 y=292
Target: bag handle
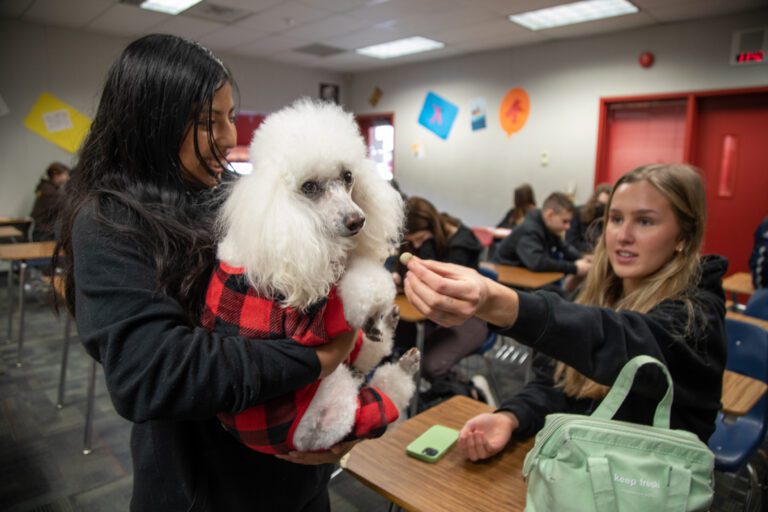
x=678 y=488
x=620 y=389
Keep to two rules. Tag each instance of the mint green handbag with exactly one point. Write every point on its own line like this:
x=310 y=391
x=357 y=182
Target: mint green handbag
x=594 y=463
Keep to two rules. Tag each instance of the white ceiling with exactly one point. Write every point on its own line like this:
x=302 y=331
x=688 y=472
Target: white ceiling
x=273 y=29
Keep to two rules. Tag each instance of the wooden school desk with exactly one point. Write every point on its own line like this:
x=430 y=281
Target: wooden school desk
x=410 y=314
x=451 y=484
x=21 y=254
x=741 y=393
x=739 y=285
x=10 y=232
x=519 y=277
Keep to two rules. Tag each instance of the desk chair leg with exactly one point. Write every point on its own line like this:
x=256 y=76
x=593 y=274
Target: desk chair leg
x=10 y=301
x=64 y=358
x=22 y=274
x=393 y=507
x=420 y=346
x=89 y=409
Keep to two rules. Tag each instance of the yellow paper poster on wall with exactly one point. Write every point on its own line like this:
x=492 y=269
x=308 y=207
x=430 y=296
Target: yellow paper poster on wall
x=57 y=122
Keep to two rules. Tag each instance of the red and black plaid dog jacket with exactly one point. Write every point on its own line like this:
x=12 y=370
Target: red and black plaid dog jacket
x=232 y=307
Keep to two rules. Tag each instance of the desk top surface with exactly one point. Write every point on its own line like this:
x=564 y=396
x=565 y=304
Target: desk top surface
x=408 y=312
x=741 y=393
x=746 y=318
x=520 y=277
x=26 y=251
x=453 y=483
x=9 y=232
x=740 y=282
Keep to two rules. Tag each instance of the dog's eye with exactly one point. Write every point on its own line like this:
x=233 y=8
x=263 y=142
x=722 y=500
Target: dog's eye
x=347 y=177
x=310 y=188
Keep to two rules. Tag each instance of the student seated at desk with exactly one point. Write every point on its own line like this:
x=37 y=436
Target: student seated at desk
x=439 y=236
x=537 y=243
x=48 y=201
x=524 y=202
x=758 y=260
x=649 y=293
x=586 y=225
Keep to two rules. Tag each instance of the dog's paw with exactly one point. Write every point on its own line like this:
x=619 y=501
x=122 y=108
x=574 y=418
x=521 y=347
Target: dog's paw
x=393 y=317
x=410 y=361
x=380 y=324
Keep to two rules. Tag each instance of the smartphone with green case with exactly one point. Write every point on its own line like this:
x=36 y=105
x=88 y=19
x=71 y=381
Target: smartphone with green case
x=433 y=444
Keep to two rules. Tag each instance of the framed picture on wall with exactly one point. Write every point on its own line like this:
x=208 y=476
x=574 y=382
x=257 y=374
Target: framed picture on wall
x=329 y=92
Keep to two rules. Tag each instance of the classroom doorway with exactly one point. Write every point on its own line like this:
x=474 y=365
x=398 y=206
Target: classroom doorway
x=378 y=131
x=724 y=133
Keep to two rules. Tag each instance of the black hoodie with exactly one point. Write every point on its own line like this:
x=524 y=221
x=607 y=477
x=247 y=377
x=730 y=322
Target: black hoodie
x=599 y=341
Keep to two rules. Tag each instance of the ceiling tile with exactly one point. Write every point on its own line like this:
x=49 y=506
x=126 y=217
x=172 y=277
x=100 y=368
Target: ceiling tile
x=249 y=5
x=183 y=26
x=444 y=20
x=376 y=34
x=336 y=5
x=497 y=28
x=230 y=37
x=127 y=21
x=269 y=45
x=507 y=7
x=396 y=9
x=14 y=8
x=700 y=9
x=283 y=16
x=325 y=28
x=66 y=13
x=628 y=21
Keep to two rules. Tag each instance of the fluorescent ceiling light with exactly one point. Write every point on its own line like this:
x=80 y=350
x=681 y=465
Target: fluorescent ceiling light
x=168 y=6
x=400 y=47
x=570 y=14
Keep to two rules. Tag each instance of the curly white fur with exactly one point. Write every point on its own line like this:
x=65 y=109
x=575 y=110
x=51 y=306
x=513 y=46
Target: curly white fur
x=276 y=234
x=295 y=245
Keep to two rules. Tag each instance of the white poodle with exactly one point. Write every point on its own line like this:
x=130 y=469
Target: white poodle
x=314 y=220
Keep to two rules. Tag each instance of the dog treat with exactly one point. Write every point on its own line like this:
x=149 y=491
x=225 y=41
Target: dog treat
x=405 y=258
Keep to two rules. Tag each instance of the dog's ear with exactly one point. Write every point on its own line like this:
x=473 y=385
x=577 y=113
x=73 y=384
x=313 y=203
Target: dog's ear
x=280 y=241
x=384 y=212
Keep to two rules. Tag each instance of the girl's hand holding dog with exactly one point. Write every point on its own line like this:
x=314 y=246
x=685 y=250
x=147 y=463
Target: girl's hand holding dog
x=450 y=294
x=333 y=353
x=331 y=456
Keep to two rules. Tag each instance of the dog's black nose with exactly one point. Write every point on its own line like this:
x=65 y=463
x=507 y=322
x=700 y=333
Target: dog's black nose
x=354 y=222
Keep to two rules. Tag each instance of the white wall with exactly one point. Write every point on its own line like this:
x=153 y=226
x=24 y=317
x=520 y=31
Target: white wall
x=472 y=174
x=72 y=65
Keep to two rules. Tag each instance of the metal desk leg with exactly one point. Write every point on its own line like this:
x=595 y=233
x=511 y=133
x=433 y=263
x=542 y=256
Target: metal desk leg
x=10 y=301
x=64 y=357
x=22 y=273
x=89 y=409
x=420 y=346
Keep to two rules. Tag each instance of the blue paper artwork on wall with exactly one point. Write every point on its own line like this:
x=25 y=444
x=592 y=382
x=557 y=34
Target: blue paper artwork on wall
x=477 y=113
x=438 y=115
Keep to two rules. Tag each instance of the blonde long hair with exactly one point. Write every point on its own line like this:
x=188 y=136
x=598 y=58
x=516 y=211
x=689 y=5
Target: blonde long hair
x=682 y=186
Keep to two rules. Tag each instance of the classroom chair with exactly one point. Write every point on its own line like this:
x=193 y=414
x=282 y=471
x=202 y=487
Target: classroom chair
x=757 y=305
x=58 y=284
x=737 y=438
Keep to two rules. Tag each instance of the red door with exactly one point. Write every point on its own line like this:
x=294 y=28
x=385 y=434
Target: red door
x=643 y=132
x=731 y=148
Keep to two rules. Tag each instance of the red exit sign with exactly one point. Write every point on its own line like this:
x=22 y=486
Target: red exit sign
x=758 y=56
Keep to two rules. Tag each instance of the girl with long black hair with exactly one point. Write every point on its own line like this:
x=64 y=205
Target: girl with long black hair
x=138 y=247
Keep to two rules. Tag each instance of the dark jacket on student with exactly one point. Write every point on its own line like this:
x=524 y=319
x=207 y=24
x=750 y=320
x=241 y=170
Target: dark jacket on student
x=533 y=246
x=170 y=378
x=463 y=249
x=583 y=235
x=758 y=260
x=597 y=342
x=45 y=209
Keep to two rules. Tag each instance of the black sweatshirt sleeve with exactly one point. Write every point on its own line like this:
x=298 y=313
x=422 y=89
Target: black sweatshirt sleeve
x=537 y=398
x=598 y=342
x=157 y=366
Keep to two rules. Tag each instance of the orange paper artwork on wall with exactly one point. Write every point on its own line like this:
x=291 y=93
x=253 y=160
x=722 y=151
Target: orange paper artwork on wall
x=514 y=109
